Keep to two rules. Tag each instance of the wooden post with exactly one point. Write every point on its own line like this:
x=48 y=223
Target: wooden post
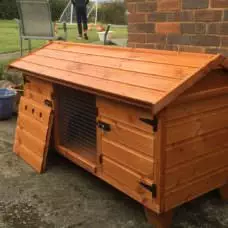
x=159 y=221
x=224 y=192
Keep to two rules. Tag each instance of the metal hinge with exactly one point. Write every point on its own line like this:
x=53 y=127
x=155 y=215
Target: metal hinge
x=101 y=159
x=152 y=188
x=104 y=126
x=153 y=123
x=48 y=103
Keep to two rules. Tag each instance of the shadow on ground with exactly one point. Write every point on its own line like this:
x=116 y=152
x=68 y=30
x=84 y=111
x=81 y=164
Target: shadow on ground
x=66 y=196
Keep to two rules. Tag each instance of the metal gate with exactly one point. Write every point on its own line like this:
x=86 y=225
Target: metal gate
x=76 y=121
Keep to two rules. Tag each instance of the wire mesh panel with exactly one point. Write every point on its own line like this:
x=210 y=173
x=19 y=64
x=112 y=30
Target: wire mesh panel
x=77 y=121
x=36 y=18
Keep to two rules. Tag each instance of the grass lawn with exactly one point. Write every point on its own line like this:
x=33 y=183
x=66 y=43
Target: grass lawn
x=9 y=36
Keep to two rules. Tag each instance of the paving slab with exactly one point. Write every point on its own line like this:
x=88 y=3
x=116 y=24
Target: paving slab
x=66 y=196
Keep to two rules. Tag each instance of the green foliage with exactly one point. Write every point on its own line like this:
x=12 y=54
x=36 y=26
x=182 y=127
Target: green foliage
x=8 y=9
x=112 y=13
x=57 y=7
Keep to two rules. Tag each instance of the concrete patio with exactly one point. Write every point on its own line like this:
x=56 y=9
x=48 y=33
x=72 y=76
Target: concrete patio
x=66 y=196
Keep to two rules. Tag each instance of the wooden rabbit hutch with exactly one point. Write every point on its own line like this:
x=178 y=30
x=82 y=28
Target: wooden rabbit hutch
x=154 y=124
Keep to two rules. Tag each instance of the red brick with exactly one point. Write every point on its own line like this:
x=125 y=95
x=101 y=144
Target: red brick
x=146 y=7
x=225 y=41
x=180 y=16
x=205 y=40
x=218 y=28
x=193 y=28
x=195 y=4
x=192 y=49
x=136 y=38
x=141 y=28
x=166 y=28
x=156 y=38
x=168 y=5
x=208 y=15
x=157 y=16
x=132 y=45
x=131 y=7
x=219 y=3
x=226 y=15
x=223 y=51
x=148 y=46
x=136 y=18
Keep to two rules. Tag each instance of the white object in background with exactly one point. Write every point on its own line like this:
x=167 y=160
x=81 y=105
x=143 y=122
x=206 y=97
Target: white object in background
x=102 y=35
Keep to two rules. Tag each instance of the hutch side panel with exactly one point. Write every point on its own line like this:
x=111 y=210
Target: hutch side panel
x=127 y=149
x=196 y=141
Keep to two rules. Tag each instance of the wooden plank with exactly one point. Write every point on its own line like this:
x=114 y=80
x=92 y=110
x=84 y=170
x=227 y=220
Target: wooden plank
x=70 y=45
x=121 y=187
x=124 y=113
x=215 y=79
x=160 y=159
x=29 y=156
x=127 y=181
x=188 y=82
x=156 y=56
x=193 y=170
x=128 y=158
x=78 y=65
x=119 y=89
x=196 y=147
x=32 y=126
x=190 y=108
x=121 y=174
x=72 y=61
x=77 y=159
x=31 y=142
x=37 y=97
x=194 y=189
x=197 y=125
x=39 y=112
x=39 y=87
x=129 y=137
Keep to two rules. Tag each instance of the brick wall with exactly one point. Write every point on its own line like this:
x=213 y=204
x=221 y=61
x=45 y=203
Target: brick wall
x=185 y=25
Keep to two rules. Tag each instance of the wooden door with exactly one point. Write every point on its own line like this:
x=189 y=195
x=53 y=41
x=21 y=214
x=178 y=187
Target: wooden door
x=126 y=147
x=33 y=133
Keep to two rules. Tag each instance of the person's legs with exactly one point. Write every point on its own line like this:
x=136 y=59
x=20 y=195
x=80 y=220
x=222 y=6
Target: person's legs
x=79 y=20
x=84 y=21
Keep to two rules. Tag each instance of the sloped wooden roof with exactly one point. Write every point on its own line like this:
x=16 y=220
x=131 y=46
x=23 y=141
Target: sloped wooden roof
x=151 y=76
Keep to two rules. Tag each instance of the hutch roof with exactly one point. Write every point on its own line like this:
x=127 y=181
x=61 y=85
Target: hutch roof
x=155 y=77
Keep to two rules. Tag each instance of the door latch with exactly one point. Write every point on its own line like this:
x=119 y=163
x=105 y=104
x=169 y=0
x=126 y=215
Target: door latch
x=104 y=126
x=152 y=188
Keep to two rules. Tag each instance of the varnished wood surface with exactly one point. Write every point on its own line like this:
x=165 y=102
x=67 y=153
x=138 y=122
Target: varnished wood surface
x=154 y=77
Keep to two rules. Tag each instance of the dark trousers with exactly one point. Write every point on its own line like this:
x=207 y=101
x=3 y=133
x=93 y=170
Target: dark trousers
x=81 y=19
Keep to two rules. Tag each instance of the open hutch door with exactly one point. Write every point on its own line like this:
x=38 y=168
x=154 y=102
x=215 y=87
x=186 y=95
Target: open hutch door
x=33 y=132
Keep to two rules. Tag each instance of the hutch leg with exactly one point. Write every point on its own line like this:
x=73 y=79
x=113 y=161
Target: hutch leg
x=160 y=221
x=224 y=192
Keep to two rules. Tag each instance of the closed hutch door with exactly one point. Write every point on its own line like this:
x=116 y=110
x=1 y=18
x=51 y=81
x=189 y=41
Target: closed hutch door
x=125 y=147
